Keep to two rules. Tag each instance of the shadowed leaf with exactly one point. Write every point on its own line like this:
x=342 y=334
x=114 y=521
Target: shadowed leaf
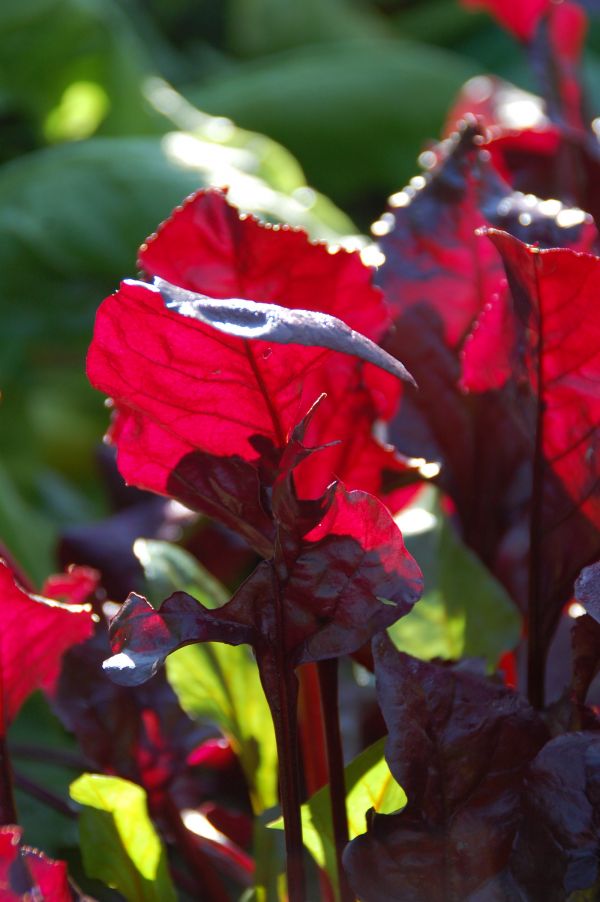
x=459 y=746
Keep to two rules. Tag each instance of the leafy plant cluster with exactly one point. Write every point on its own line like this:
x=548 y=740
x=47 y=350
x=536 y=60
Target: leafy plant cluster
x=359 y=531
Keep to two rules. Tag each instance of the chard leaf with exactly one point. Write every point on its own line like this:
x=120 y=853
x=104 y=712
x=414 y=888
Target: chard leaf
x=167 y=568
x=369 y=785
x=221 y=683
x=459 y=745
x=36 y=632
x=119 y=843
x=464 y=612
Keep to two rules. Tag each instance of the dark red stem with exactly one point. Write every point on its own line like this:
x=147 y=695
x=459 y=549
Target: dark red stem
x=536 y=650
x=328 y=682
x=314 y=752
x=8 y=811
x=281 y=690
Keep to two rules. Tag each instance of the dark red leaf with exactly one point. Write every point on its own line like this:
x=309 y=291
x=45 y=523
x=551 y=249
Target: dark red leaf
x=587 y=590
x=557 y=159
x=36 y=632
x=556 y=850
x=27 y=874
x=585 y=633
x=140 y=734
x=585 y=643
x=439 y=281
x=551 y=346
x=335 y=558
x=331 y=587
x=459 y=745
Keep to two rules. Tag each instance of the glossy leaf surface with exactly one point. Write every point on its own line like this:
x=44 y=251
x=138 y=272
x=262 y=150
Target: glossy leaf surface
x=119 y=843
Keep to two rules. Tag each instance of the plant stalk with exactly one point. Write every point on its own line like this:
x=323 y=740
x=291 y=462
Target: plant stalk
x=8 y=810
x=536 y=650
x=281 y=690
x=328 y=683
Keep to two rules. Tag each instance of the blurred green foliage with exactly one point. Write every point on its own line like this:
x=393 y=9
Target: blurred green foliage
x=111 y=112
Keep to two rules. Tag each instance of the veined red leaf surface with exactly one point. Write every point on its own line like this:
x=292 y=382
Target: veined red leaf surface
x=36 y=632
x=439 y=281
x=553 y=352
x=459 y=745
x=181 y=387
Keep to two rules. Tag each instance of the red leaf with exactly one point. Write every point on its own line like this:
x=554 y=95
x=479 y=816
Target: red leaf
x=73 y=587
x=552 y=347
x=519 y=16
x=181 y=387
x=35 y=634
x=26 y=874
x=331 y=597
x=439 y=281
x=544 y=149
x=320 y=596
x=459 y=746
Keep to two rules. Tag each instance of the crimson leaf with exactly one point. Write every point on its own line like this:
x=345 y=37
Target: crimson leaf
x=550 y=343
x=26 y=873
x=439 y=281
x=182 y=387
x=36 y=632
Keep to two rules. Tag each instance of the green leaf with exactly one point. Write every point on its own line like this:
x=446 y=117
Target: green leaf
x=84 y=46
x=264 y=26
x=37 y=741
x=465 y=611
x=221 y=683
x=18 y=522
x=369 y=784
x=119 y=843
x=213 y=681
x=355 y=112
x=169 y=568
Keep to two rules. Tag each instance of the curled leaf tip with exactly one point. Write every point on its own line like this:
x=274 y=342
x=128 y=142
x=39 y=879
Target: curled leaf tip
x=249 y=319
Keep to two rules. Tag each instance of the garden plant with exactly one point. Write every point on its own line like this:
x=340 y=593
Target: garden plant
x=338 y=636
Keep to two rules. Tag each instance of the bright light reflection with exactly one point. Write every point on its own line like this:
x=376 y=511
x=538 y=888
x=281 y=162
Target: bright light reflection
x=522 y=113
x=576 y=610
x=372 y=256
x=566 y=219
x=198 y=823
x=414 y=521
